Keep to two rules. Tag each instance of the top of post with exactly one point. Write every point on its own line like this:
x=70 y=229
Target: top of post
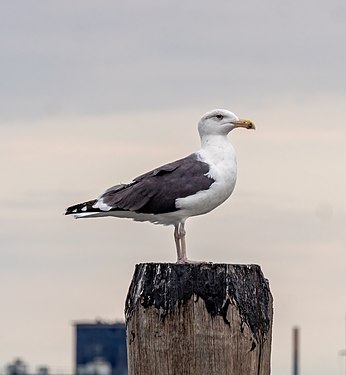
x=165 y=286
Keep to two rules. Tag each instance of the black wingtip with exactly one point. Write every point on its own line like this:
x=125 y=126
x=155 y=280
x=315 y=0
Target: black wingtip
x=81 y=208
x=72 y=209
x=69 y=210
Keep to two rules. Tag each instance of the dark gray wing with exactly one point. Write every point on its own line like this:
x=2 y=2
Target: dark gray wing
x=155 y=192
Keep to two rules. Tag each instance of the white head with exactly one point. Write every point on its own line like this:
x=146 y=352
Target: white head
x=221 y=122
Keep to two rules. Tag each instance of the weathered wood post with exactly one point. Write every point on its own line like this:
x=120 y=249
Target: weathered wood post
x=198 y=319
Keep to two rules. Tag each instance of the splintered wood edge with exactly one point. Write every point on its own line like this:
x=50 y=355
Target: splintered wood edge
x=165 y=286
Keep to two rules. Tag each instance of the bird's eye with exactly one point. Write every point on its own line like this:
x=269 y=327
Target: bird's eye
x=220 y=117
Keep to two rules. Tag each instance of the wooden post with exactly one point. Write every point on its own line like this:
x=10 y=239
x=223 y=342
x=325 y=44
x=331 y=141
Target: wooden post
x=196 y=319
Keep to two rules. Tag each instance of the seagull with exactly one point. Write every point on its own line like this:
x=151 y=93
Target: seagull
x=170 y=194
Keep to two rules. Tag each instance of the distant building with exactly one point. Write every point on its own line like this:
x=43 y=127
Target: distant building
x=42 y=370
x=100 y=349
x=17 y=367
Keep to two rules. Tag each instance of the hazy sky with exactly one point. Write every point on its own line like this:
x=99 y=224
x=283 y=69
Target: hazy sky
x=93 y=93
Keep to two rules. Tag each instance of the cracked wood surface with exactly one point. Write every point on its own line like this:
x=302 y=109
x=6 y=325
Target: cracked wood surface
x=199 y=319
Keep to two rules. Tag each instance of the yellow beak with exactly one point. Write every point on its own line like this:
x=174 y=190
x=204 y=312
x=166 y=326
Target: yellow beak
x=241 y=123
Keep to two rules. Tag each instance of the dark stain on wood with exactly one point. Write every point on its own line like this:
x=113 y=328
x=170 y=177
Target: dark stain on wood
x=168 y=285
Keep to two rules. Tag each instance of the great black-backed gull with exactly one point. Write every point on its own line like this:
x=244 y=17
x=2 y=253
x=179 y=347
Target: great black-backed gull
x=170 y=194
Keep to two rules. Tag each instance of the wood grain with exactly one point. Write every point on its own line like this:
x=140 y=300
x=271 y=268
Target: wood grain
x=199 y=319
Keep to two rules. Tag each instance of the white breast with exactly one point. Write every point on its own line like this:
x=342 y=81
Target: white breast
x=223 y=169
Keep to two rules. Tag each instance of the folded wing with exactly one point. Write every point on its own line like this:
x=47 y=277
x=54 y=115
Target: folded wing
x=154 y=192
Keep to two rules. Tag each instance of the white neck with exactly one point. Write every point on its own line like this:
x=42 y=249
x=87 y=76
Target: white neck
x=216 y=148
x=214 y=140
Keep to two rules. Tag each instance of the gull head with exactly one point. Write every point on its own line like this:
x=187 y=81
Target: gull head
x=221 y=122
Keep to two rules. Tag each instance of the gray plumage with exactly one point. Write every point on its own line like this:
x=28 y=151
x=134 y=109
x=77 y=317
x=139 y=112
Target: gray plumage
x=154 y=192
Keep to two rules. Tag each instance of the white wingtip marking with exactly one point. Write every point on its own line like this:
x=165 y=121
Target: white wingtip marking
x=102 y=206
x=84 y=214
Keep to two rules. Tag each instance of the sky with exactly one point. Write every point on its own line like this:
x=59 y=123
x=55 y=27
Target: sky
x=94 y=93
